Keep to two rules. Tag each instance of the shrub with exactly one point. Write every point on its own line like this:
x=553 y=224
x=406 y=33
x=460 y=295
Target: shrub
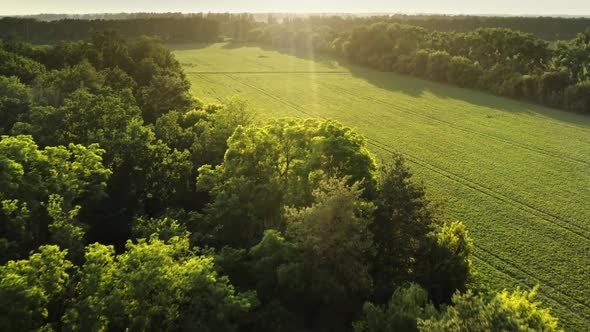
x=577 y=97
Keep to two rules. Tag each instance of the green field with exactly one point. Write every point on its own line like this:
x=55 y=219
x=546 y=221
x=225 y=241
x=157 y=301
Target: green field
x=517 y=174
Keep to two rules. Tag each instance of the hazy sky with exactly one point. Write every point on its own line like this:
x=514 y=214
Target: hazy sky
x=513 y=7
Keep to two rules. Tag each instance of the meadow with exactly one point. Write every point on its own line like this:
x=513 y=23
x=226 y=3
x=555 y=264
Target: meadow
x=517 y=174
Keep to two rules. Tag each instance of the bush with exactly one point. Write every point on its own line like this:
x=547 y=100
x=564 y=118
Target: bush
x=577 y=97
x=552 y=86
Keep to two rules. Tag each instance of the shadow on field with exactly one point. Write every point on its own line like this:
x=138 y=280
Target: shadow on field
x=415 y=87
x=324 y=60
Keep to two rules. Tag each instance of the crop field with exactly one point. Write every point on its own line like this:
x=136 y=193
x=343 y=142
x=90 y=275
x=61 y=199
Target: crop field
x=517 y=174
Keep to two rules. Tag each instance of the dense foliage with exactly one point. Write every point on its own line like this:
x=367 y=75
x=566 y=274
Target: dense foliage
x=128 y=205
x=170 y=27
x=503 y=61
x=190 y=28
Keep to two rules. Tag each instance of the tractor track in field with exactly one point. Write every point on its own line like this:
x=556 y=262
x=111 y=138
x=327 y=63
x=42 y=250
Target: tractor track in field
x=208 y=81
x=556 y=220
x=547 y=216
x=552 y=298
x=475 y=132
x=528 y=275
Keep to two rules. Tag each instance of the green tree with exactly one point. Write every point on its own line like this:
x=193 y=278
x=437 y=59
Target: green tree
x=204 y=131
x=54 y=87
x=154 y=285
x=552 y=86
x=438 y=65
x=151 y=173
x=164 y=93
x=406 y=306
x=110 y=50
x=15 y=100
x=41 y=192
x=278 y=164
x=32 y=291
x=26 y=69
x=319 y=270
x=445 y=265
x=463 y=72
x=333 y=236
x=164 y=228
x=404 y=221
x=505 y=311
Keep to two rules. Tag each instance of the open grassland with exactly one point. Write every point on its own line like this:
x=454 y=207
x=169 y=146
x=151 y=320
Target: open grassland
x=517 y=174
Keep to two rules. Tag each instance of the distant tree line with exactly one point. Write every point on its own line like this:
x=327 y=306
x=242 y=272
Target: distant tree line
x=169 y=27
x=548 y=28
x=180 y=28
x=126 y=204
x=506 y=62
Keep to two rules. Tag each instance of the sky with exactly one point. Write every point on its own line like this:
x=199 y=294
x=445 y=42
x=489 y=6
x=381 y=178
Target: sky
x=507 y=7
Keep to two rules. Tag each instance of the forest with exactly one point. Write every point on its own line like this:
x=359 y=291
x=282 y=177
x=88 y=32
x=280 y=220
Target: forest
x=129 y=204
x=172 y=27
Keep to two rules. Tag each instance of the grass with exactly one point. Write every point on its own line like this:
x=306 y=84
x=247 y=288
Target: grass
x=517 y=174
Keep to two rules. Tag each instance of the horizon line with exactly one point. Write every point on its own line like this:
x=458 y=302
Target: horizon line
x=312 y=13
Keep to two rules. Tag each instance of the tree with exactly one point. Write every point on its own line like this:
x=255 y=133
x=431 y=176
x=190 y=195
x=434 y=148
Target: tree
x=505 y=311
x=463 y=72
x=15 y=100
x=205 y=130
x=445 y=265
x=278 y=164
x=154 y=285
x=152 y=173
x=33 y=291
x=406 y=306
x=111 y=50
x=12 y=64
x=54 y=87
x=333 y=235
x=318 y=270
x=403 y=222
x=164 y=228
x=165 y=92
x=438 y=64
x=41 y=192
x=552 y=85
x=573 y=56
